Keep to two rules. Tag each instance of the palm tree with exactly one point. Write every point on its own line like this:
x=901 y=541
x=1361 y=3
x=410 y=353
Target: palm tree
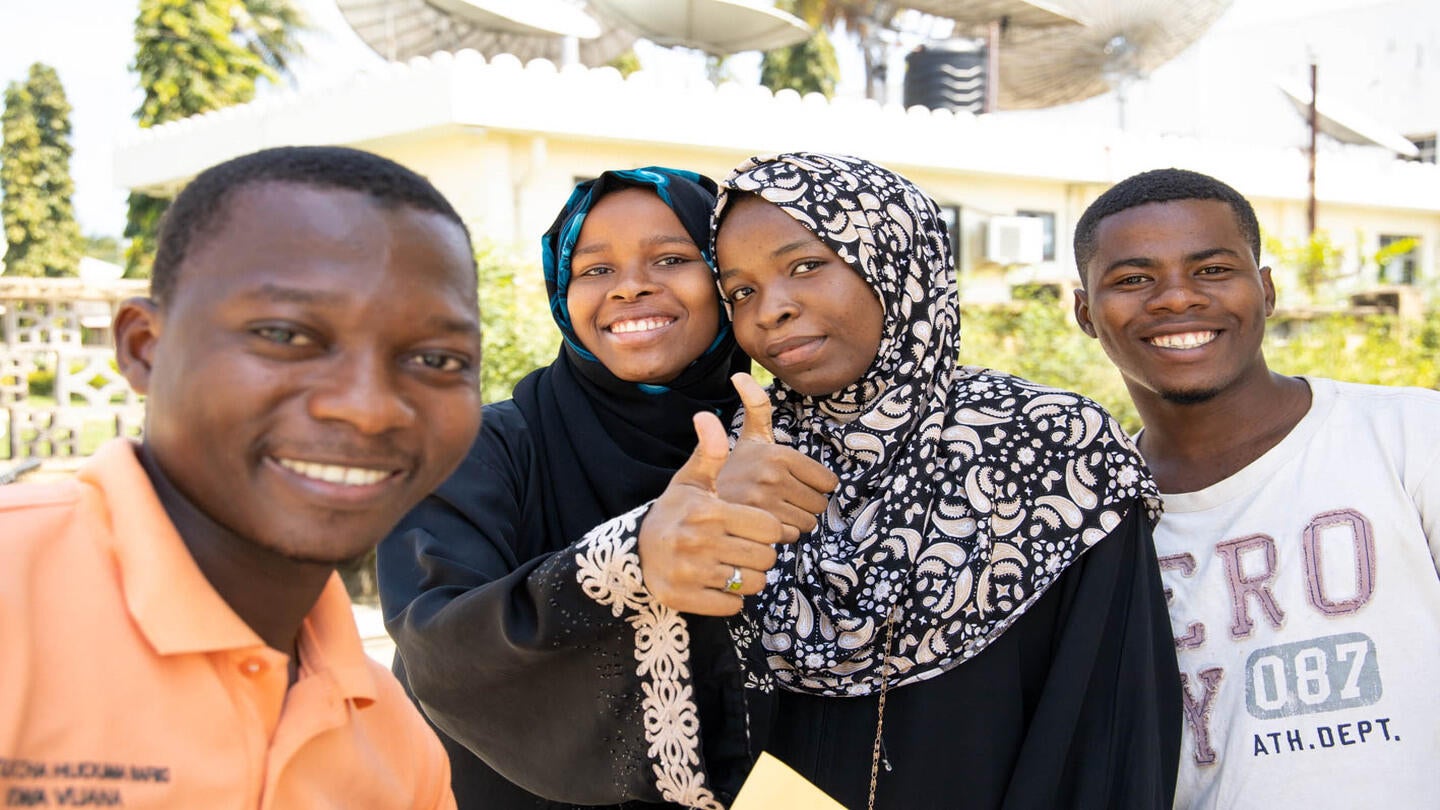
x=194 y=56
x=863 y=20
x=270 y=30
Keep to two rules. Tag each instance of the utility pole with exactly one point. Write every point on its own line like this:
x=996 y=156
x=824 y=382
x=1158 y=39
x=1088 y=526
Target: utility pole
x=992 y=65
x=1314 y=128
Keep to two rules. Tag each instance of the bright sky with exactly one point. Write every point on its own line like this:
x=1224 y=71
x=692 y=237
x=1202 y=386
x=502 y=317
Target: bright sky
x=89 y=42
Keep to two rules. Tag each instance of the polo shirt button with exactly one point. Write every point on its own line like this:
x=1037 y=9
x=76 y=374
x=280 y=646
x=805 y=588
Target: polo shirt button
x=252 y=667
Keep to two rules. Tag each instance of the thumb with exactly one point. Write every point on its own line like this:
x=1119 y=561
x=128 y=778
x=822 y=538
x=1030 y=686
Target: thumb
x=757 y=427
x=713 y=448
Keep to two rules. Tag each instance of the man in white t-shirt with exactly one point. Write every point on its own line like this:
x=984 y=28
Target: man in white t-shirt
x=1302 y=516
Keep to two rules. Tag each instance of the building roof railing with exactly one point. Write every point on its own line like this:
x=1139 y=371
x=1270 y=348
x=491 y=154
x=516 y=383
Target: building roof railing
x=467 y=91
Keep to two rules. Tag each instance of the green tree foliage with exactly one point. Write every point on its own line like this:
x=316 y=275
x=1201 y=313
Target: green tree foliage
x=863 y=21
x=195 y=56
x=1376 y=349
x=627 y=62
x=39 y=218
x=1316 y=260
x=809 y=66
x=142 y=226
x=518 y=334
x=1039 y=340
x=104 y=247
x=270 y=29
x=1386 y=257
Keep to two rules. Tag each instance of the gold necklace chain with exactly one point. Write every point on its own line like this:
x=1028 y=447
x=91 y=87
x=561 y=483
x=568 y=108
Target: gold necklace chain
x=875 y=750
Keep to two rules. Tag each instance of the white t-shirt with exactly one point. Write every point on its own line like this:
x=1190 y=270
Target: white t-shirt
x=1306 y=605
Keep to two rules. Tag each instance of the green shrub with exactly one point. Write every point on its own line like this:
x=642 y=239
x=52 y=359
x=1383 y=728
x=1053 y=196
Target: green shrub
x=1376 y=349
x=517 y=332
x=42 y=382
x=1039 y=340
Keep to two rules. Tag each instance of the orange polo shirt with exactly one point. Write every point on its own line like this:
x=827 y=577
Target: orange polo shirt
x=125 y=680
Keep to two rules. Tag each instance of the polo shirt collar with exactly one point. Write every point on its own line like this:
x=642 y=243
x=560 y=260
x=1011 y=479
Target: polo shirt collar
x=174 y=605
x=330 y=643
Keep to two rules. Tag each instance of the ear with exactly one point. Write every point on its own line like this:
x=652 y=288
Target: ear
x=1268 y=284
x=137 y=330
x=1082 y=312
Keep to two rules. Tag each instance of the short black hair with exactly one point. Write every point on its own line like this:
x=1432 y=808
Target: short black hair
x=1161 y=185
x=200 y=208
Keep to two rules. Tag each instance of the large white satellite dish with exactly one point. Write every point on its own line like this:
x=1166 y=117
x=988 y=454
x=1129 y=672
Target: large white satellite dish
x=533 y=17
x=1017 y=13
x=528 y=29
x=1345 y=124
x=714 y=26
x=1118 y=41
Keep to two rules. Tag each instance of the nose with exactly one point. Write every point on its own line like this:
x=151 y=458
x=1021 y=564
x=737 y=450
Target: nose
x=1176 y=293
x=362 y=391
x=632 y=282
x=775 y=307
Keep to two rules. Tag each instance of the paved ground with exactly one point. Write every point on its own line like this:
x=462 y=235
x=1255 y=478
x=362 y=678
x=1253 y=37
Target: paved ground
x=372 y=632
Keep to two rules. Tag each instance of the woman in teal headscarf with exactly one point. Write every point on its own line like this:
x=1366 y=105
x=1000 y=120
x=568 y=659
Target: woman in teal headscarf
x=523 y=676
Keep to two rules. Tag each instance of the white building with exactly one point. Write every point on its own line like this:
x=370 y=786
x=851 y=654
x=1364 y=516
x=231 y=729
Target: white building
x=505 y=142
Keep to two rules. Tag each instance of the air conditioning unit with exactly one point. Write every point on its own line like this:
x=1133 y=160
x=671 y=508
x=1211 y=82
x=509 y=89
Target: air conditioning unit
x=1406 y=301
x=1015 y=240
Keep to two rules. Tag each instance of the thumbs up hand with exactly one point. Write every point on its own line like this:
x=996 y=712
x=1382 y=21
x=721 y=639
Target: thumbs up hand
x=698 y=553
x=781 y=480
x=757 y=427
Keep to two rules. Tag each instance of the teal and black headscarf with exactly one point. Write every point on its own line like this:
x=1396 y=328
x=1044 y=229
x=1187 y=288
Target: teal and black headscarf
x=691 y=196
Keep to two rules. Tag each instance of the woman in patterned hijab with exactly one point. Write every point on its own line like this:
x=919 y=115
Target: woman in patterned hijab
x=985 y=565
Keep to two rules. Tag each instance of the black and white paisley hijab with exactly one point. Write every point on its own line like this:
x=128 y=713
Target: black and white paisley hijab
x=964 y=493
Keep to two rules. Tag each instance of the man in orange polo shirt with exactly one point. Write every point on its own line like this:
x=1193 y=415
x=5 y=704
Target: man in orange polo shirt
x=172 y=630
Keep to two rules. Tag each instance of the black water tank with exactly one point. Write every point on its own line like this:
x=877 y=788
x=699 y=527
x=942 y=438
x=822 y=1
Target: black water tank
x=946 y=76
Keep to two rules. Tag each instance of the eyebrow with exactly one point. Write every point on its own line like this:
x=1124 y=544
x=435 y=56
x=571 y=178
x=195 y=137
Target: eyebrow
x=777 y=253
x=447 y=323
x=1191 y=258
x=293 y=295
x=296 y=295
x=657 y=239
x=796 y=245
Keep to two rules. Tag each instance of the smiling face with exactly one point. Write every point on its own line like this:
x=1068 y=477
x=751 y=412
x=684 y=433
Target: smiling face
x=1174 y=295
x=313 y=375
x=641 y=297
x=799 y=309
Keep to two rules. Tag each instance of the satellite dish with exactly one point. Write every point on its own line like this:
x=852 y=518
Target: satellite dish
x=1118 y=41
x=1345 y=124
x=528 y=29
x=1011 y=13
x=715 y=26
x=543 y=18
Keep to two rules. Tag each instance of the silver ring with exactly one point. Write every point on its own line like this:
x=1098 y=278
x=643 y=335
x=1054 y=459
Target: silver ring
x=734 y=583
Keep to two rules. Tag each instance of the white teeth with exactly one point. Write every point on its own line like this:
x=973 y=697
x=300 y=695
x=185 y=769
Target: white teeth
x=641 y=325
x=1184 y=340
x=333 y=473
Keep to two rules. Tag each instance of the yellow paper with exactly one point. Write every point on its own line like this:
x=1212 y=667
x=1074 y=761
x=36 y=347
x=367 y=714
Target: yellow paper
x=774 y=784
